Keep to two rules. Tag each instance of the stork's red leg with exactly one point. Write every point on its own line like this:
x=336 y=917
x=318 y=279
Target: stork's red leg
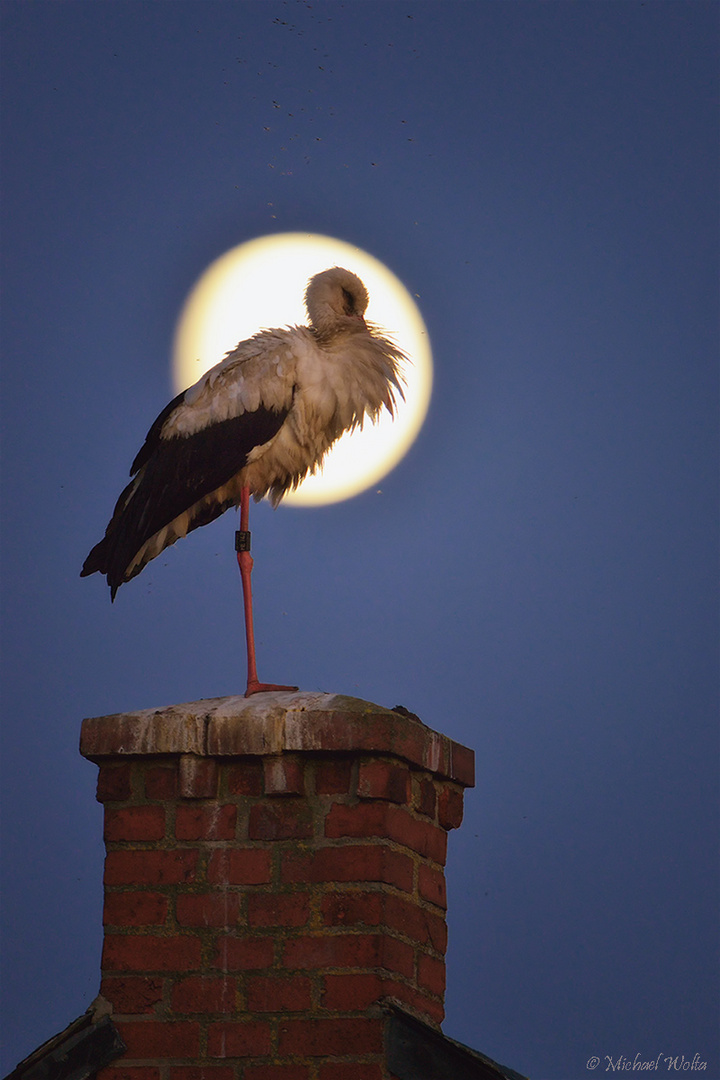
x=245 y=562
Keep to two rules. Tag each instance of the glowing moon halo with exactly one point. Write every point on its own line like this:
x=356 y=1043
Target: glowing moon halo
x=261 y=284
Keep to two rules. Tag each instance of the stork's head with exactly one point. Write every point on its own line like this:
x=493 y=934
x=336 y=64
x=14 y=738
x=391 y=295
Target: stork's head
x=336 y=301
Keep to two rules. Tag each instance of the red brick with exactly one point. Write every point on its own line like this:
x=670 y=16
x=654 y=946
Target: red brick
x=351 y=993
x=207 y=909
x=245 y=778
x=239 y=1039
x=114 y=783
x=393 y=822
x=333 y=777
x=421 y=836
x=266 y=993
x=463 y=764
x=283 y=776
x=120 y=1071
x=132 y=993
x=134 y=823
x=398 y=957
x=362 y=819
x=214 y=822
x=450 y=807
x=198 y=994
x=202 y=1072
x=198 y=777
x=344 y=730
x=384 y=780
x=426 y=927
x=159 y=1039
x=427 y=798
x=332 y=950
x=347 y=1070
x=411 y=740
x=134 y=909
x=431 y=886
x=161 y=782
x=276 y=1072
x=352 y=909
x=284 y=820
x=431 y=974
x=240 y=866
x=416 y=999
x=320 y=1038
x=144 y=952
x=150 y=867
x=244 y=953
x=278 y=909
x=357 y=862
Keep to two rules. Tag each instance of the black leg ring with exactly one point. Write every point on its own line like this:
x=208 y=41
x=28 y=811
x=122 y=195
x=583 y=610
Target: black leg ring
x=242 y=540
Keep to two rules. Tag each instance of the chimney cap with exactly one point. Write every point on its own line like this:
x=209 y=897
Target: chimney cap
x=274 y=723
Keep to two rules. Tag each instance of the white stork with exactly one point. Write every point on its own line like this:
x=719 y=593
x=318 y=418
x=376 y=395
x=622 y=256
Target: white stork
x=255 y=424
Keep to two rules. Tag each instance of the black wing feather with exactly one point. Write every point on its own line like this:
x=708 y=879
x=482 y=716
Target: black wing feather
x=152 y=439
x=176 y=474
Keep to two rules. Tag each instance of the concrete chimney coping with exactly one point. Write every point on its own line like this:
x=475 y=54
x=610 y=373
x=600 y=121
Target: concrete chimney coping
x=275 y=723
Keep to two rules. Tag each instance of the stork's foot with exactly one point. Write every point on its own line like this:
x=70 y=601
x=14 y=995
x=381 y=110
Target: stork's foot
x=255 y=687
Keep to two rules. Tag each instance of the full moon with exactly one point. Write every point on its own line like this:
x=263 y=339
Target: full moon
x=261 y=284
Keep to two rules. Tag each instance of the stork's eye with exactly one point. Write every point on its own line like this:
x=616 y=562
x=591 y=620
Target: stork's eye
x=348 y=302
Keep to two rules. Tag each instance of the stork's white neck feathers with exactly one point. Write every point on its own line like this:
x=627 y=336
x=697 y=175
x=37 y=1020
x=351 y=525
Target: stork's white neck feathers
x=336 y=301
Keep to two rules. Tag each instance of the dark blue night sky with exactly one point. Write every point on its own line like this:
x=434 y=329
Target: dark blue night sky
x=538 y=577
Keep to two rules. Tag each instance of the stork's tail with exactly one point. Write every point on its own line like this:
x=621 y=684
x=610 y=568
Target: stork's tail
x=98 y=562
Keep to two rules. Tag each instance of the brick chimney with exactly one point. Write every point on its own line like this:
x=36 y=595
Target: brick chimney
x=274 y=873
